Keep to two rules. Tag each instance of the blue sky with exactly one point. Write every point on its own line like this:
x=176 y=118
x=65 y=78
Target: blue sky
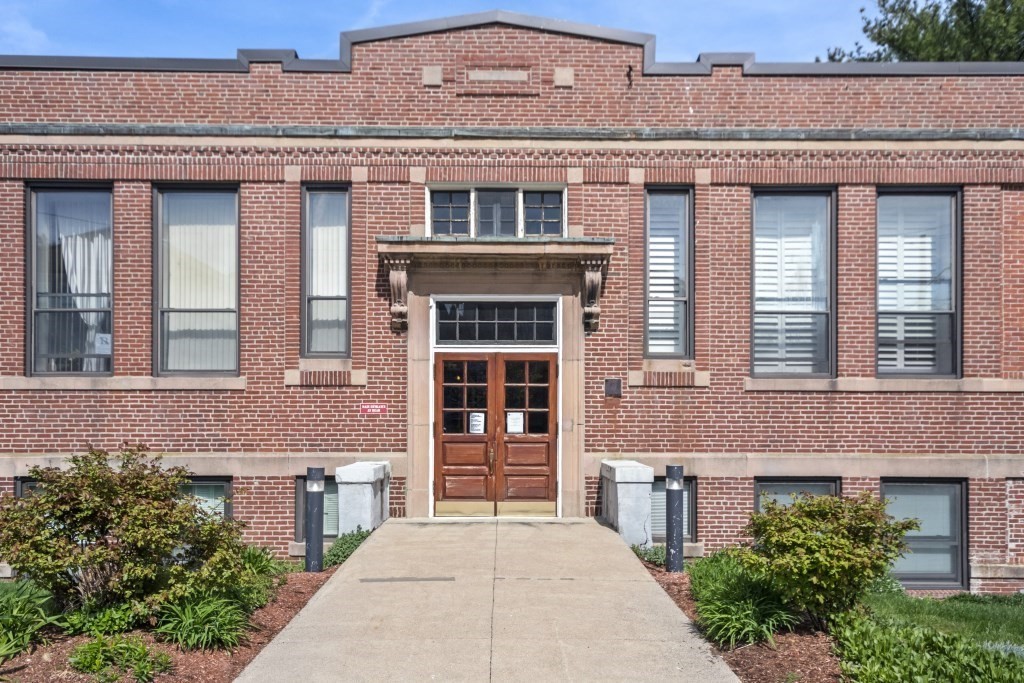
x=777 y=30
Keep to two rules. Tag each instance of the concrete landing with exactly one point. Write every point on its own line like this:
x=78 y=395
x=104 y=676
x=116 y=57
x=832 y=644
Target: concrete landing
x=494 y=600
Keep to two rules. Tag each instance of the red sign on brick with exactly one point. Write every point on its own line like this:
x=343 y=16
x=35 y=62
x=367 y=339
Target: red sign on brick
x=373 y=408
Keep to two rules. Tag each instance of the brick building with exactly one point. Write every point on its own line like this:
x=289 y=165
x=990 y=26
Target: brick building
x=496 y=250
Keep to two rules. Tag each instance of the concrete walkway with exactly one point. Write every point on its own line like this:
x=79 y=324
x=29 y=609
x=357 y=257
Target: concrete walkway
x=490 y=601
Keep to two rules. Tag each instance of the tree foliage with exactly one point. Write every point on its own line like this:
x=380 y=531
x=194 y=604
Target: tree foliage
x=940 y=30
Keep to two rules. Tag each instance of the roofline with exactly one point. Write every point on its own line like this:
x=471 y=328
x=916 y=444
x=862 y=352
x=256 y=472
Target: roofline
x=290 y=61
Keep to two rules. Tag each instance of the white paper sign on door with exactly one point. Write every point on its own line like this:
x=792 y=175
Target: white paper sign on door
x=477 y=423
x=514 y=423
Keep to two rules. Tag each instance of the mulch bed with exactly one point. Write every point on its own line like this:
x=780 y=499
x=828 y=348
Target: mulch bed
x=50 y=662
x=803 y=656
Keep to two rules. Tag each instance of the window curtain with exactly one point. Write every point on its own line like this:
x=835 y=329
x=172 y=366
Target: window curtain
x=74 y=270
x=791 y=284
x=666 y=273
x=327 y=259
x=200 y=281
x=915 y=283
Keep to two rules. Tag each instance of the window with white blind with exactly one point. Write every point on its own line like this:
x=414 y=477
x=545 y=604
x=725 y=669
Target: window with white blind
x=936 y=553
x=71 y=281
x=197 y=322
x=326 y=279
x=669 y=280
x=331 y=513
x=213 y=494
x=917 y=284
x=792 y=283
x=659 y=521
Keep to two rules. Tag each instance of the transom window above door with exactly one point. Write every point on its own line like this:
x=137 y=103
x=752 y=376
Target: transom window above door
x=497 y=213
x=496 y=322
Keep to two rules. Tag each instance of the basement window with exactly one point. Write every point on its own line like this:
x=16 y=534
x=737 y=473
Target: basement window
x=330 y=509
x=659 y=510
x=936 y=557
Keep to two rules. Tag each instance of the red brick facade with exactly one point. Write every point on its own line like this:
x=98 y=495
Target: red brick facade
x=859 y=434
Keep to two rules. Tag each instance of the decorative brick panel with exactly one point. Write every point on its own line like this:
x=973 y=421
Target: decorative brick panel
x=325 y=378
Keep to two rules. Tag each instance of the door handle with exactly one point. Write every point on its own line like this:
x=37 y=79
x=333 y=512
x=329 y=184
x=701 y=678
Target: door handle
x=490 y=457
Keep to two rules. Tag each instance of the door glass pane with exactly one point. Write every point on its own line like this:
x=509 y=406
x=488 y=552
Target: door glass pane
x=453 y=422
x=453 y=397
x=515 y=372
x=453 y=371
x=539 y=372
x=476 y=397
x=476 y=372
x=537 y=422
x=515 y=398
x=484 y=322
x=538 y=398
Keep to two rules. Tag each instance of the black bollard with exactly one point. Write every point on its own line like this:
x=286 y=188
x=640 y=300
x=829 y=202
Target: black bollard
x=674 y=511
x=314 y=519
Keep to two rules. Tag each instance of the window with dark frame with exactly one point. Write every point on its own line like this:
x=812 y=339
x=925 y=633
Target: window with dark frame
x=197 y=245
x=936 y=556
x=669 y=276
x=489 y=322
x=71 y=325
x=659 y=511
x=24 y=486
x=490 y=213
x=792 y=326
x=785 y=491
x=542 y=214
x=213 y=494
x=917 y=283
x=331 y=515
x=449 y=212
x=326 y=281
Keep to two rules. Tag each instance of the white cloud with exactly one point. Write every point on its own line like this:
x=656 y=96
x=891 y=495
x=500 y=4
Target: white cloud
x=19 y=36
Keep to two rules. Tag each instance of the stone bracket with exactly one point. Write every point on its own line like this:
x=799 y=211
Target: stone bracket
x=398 y=278
x=593 y=283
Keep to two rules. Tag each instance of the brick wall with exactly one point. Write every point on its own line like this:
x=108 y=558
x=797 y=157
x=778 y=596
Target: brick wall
x=396 y=497
x=267 y=506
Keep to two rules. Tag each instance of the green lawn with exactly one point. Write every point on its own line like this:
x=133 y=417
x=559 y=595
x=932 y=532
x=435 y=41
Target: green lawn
x=982 y=619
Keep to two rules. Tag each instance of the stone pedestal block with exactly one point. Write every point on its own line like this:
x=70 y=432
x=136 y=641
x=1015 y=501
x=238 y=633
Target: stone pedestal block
x=362 y=495
x=626 y=499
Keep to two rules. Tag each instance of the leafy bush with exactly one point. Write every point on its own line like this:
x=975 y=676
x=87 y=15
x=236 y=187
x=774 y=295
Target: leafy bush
x=344 y=546
x=203 y=623
x=107 y=657
x=823 y=552
x=655 y=554
x=881 y=651
x=25 y=610
x=104 y=621
x=103 y=534
x=734 y=605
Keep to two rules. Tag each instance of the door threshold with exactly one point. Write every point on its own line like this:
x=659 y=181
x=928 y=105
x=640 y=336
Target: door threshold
x=501 y=509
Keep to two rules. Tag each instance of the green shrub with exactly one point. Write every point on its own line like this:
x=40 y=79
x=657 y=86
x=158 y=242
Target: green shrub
x=823 y=552
x=881 y=651
x=103 y=621
x=886 y=585
x=25 y=610
x=654 y=554
x=203 y=623
x=734 y=605
x=344 y=546
x=114 y=529
x=106 y=658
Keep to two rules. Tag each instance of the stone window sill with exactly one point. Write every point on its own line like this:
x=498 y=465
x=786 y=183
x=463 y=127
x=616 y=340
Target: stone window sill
x=122 y=383
x=325 y=372
x=871 y=384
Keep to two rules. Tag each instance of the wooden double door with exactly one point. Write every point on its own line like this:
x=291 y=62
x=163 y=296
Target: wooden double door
x=495 y=434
